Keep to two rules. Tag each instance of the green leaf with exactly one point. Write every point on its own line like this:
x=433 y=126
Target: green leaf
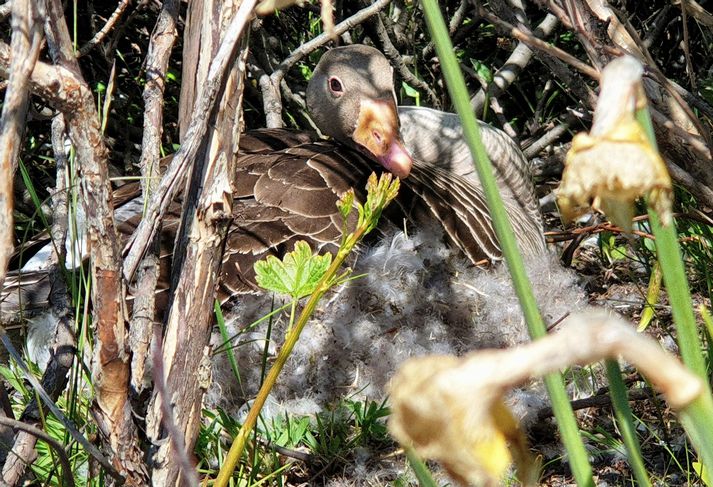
x=172 y=75
x=482 y=70
x=702 y=473
x=305 y=71
x=297 y=275
x=411 y=92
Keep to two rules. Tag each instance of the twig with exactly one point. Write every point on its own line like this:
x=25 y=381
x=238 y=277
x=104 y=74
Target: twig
x=497 y=109
x=453 y=24
x=550 y=136
x=693 y=100
x=541 y=45
x=26 y=42
x=516 y=62
x=44 y=81
x=99 y=36
x=592 y=230
x=111 y=357
x=398 y=62
x=207 y=213
x=183 y=159
x=698 y=188
x=270 y=85
x=574 y=83
x=175 y=435
x=598 y=400
x=159 y=52
x=652 y=67
x=686 y=46
x=659 y=25
x=58 y=448
x=60 y=195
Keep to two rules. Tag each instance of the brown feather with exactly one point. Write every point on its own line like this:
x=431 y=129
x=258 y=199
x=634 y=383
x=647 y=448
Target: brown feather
x=287 y=191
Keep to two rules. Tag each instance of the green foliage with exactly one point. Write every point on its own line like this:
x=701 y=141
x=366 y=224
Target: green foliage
x=555 y=386
x=380 y=192
x=411 y=92
x=46 y=467
x=482 y=70
x=297 y=275
x=612 y=248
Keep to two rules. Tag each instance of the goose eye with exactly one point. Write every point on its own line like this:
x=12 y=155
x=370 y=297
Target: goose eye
x=335 y=86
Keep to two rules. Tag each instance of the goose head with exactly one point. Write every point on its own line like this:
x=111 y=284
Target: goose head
x=351 y=98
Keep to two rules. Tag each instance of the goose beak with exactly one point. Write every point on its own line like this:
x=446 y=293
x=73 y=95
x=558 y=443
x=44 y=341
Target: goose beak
x=377 y=132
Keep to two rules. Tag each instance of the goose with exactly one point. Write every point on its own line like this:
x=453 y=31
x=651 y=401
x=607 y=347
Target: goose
x=409 y=303
x=290 y=181
x=287 y=191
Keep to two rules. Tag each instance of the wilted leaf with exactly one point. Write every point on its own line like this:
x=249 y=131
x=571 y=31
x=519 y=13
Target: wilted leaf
x=452 y=409
x=475 y=440
x=297 y=275
x=614 y=165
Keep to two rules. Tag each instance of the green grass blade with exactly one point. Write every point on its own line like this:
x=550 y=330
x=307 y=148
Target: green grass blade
x=555 y=385
x=625 y=421
x=697 y=418
x=225 y=337
x=420 y=470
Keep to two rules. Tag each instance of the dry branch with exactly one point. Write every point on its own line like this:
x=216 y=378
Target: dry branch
x=111 y=357
x=162 y=40
x=270 y=85
x=207 y=214
x=516 y=62
x=32 y=434
x=26 y=42
x=541 y=45
x=397 y=61
x=176 y=172
x=101 y=35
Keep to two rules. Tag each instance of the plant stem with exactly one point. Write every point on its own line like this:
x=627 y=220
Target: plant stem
x=698 y=416
x=555 y=385
x=236 y=449
x=625 y=421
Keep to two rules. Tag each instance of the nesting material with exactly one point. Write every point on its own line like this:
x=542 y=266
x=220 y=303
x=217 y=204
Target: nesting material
x=419 y=297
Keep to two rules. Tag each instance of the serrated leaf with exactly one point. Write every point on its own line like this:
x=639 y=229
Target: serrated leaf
x=297 y=275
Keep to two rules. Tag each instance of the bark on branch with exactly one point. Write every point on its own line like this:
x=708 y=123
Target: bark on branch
x=207 y=214
x=110 y=364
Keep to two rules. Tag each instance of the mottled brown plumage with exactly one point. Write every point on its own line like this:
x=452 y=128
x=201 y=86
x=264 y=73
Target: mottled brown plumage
x=289 y=181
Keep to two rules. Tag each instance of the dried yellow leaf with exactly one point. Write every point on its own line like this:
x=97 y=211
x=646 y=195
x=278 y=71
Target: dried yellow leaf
x=445 y=416
x=611 y=172
x=615 y=164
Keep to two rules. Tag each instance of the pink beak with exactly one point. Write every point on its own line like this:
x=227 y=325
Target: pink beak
x=377 y=131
